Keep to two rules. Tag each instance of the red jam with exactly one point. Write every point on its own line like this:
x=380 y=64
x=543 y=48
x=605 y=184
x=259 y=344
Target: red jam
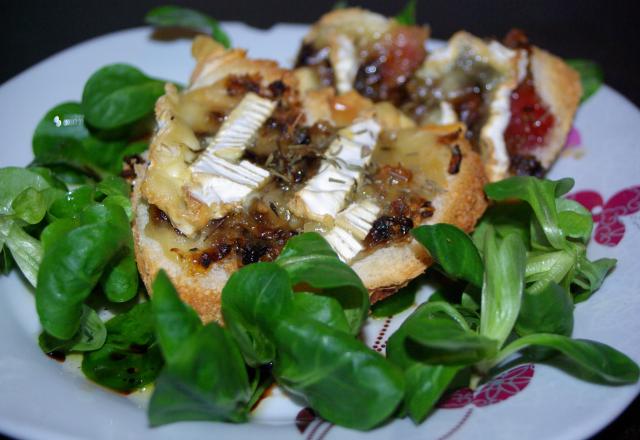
x=391 y=63
x=405 y=54
x=530 y=120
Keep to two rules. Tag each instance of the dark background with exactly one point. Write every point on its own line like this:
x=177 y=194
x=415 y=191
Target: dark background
x=605 y=31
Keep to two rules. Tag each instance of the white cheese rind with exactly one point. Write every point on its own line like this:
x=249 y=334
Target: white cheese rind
x=447 y=113
x=351 y=228
x=240 y=127
x=216 y=178
x=500 y=114
x=325 y=193
x=344 y=61
x=512 y=67
x=220 y=181
x=345 y=244
x=358 y=218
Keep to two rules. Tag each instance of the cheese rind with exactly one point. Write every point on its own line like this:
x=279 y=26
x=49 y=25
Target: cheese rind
x=219 y=181
x=325 y=193
x=216 y=178
x=464 y=51
x=240 y=127
x=358 y=218
x=447 y=114
x=345 y=244
x=344 y=61
x=351 y=227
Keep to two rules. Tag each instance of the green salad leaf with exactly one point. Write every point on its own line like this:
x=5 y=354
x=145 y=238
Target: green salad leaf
x=427 y=381
x=436 y=333
x=574 y=219
x=345 y=381
x=14 y=182
x=589 y=276
x=6 y=262
x=130 y=357
x=174 y=320
x=30 y=206
x=64 y=143
x=559 y=232
x=177 y=16
x=453 y=250
x=407 y=16
x=25 y=196
x=206 y=380
x=25 y=250
x=535 y=268
x=91 y=335
x=505 y=262
x=72 y=267
x=261 y=381
x=398 y=302
x=205 y=377
x=591 y=76
x=541 y=196
x=252 y=301
x=302 y=333
x=425 y=386
x=604 y=362
x=119 y=94
x=548 y=311
x=310 y=261
x=120 y=282
x=320 y=308
x=442 y=341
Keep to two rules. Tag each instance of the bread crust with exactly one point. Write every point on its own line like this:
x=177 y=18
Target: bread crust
x=200 y=290
x=559 y=87
x=557 y=84
x=510 y=66
x=353 y=22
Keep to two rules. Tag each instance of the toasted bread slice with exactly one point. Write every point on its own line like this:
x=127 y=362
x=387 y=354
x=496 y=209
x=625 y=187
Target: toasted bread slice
x=409 y=175
x=518 y=103
x=355 y=49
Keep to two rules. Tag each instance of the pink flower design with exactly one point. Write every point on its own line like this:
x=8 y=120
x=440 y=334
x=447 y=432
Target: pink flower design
x=574 y=139
x=457 y=399
x=305 y=417
x=504 y=386
x=500 y=388
x=610 y=229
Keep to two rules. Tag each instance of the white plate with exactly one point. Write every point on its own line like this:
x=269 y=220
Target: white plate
x=42 y=399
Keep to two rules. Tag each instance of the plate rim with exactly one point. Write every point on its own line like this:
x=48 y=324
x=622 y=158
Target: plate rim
x=39 y=432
